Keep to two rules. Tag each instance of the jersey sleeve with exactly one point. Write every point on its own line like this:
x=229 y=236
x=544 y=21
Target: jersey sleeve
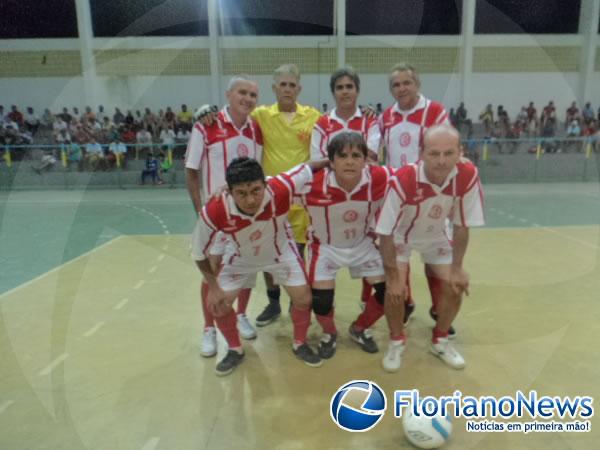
x=195 y=148
x=391 y=211
x=203 y=236
x=318 y=141
x=468 y=208
x=297 y=178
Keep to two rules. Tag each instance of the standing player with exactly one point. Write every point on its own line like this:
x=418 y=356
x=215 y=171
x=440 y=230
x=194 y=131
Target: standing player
x=287 y=127
x=342 y=203
x=210 y=150
x=403 y=126
x=254 y=217
x=419 y=200
x=346 y=116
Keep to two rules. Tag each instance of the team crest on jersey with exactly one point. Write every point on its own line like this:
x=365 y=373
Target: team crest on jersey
x=405 y=139
x=243 y=150
x=350 y=216
x=435 y=212
x=255 y=236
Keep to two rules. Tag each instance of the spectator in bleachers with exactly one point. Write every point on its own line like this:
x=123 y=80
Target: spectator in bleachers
x=487 y=118
x=531 y=113
x=119 y=149
x=100 y=115
x=548 y=113
x=62 y=137
x=128 y=135
x=452 y=117
x=59 y=124
x=522 y=116
x=464 y=124
x=138 y=120
x=118 y=117
x=94 y=155
x=47 y=120
x=2 y=116
x=151 y=169
x=167 y=138
x=549 y=131
x=16 y=116
x=573 y=129
x=324 y=107
x=74 y=155
x=150 y=120
x=169 y=119
x=76 y=114
x=572 y=114
x=184 y=117
x=129 y=119
x=143 y=140
x=65 y=116
x=32 y=121
x=587 y=113
x=89 y=114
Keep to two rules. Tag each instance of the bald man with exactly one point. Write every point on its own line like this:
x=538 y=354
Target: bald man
x=420 y=198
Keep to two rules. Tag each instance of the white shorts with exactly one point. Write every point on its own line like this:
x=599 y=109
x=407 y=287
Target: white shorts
x=219 y=247
x=433 y=251
x=289 y=271
x=324 y=261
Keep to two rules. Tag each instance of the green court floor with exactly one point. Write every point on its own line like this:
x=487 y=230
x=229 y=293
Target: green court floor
x=100 y=326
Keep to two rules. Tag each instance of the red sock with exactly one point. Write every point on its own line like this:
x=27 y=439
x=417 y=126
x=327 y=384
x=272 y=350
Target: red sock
x=438 y=334
x=398 y=337
x=301 y=321
x=327 y=322
x=242 y=300
x=209 y=320
x=435 y=289
x=228 y=326
x=366 y=291
x=372 y=313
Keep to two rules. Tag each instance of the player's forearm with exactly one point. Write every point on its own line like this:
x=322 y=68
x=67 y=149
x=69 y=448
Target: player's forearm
x=192 y=181
x=210 y=276
x=388 y=255
x=460 y=241
x=317 y=164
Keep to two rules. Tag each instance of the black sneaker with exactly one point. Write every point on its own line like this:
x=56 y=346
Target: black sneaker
x=306 y=354
x=270 y=314
x=231 y=361
x=409 y=308
x=451 y=330
x=327 y=349
x=364 y=339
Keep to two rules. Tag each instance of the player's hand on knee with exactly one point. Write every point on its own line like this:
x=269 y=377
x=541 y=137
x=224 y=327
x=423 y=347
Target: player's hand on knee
x=395 y=292
x=206 y=114
x=459 y=280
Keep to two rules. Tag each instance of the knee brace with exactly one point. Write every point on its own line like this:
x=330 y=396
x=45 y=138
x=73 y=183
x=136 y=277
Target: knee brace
x=379 y=292
x=322 y=301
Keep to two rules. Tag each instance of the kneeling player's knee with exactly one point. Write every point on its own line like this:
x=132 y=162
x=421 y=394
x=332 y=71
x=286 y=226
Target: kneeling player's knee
x=379 y=292
x=322 y=301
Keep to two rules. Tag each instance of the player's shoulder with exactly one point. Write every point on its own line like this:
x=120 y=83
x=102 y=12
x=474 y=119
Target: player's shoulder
x=467 y=175
x=214 y=211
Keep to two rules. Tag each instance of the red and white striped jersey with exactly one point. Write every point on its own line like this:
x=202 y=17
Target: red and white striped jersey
x=340 y=218
x=402 y=131
x=211 y=149
x=415 y=210
x=258 y=239
x=329 y=125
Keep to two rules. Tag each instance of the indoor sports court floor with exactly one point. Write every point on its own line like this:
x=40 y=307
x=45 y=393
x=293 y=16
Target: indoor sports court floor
x=100 y=326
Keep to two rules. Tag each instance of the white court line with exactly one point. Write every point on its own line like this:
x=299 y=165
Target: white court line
x=121 y=303
x=93 y=330
x=523 y=220
x=165 y=247
x=153 y=269
x=57 y=268
x=167 y=232
x=50 y=367
x=4 y=406
x=139 y=285
x=151 y=443
x=160 y=258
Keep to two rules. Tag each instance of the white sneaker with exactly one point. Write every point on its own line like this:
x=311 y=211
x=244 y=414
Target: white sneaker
x=246 y=329
x=393 y=357
x=447 y=353
x=209 y=342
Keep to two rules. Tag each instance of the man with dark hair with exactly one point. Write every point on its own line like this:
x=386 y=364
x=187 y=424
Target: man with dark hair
x=253 y=214
x=342 y=203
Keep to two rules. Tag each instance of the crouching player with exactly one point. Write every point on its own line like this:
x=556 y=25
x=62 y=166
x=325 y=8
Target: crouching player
x=253 y=214
x=342 y=202
x=419 y=199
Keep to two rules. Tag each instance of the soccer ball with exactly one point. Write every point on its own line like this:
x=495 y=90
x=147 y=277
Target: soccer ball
x=426 y=432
